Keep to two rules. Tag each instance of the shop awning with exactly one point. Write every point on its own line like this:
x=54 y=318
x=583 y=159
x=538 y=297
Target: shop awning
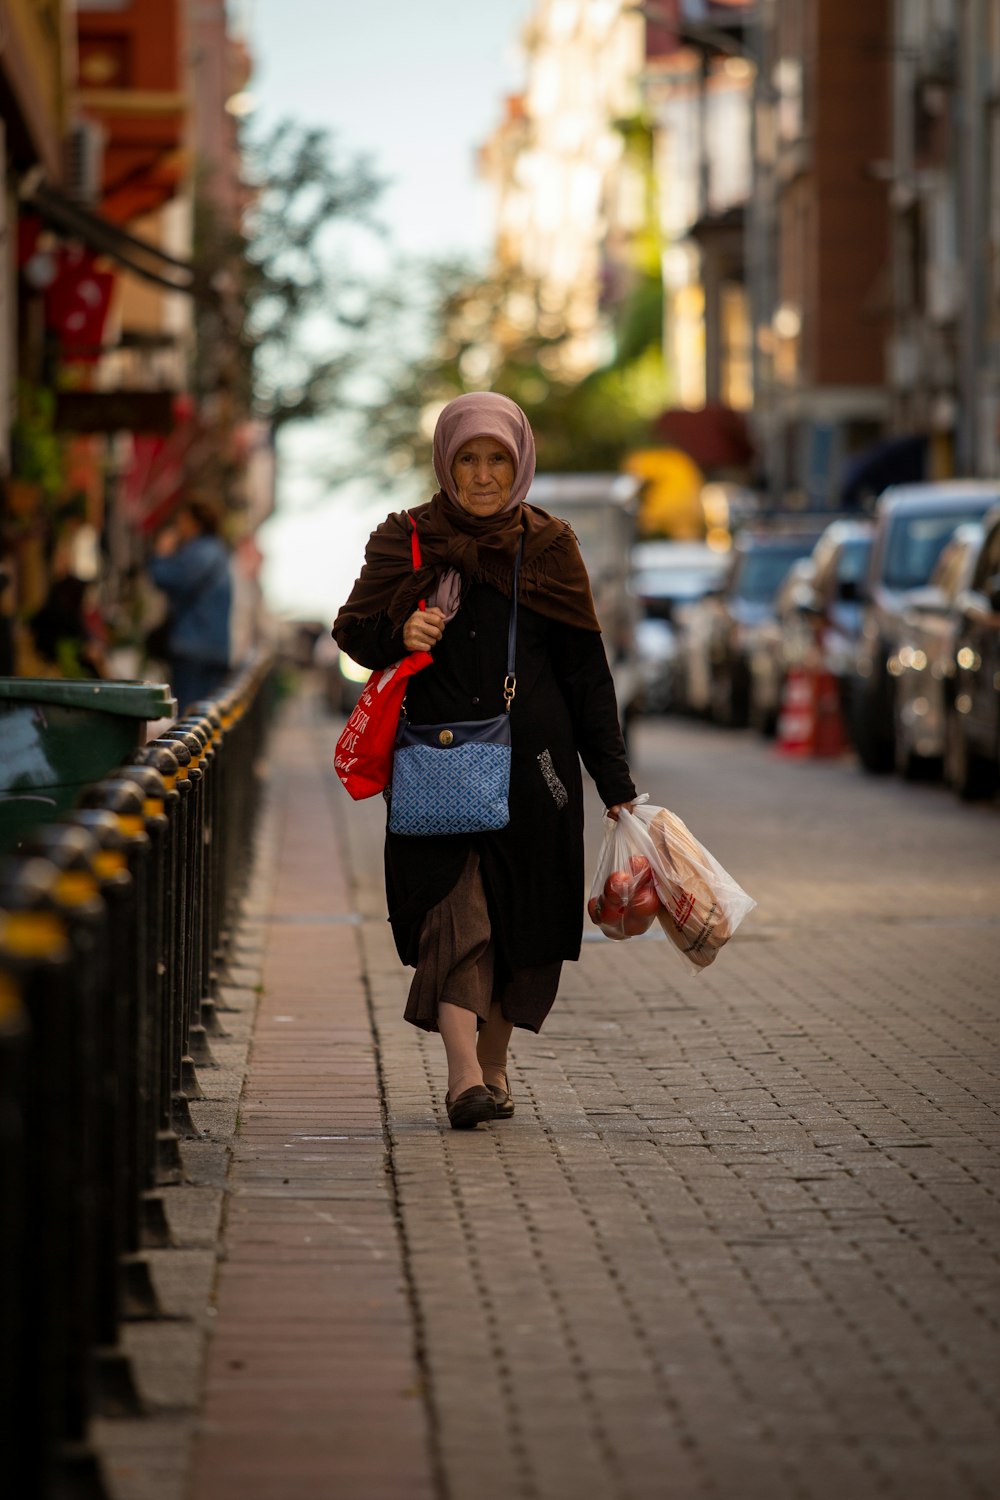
x=716 y=437
x=129 y=250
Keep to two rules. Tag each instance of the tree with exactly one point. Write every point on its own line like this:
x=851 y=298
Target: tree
x=281 y=328
x=483 y=332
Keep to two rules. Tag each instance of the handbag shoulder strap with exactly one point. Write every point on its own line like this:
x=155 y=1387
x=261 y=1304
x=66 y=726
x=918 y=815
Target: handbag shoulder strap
x=510 y=681
x=418 y=561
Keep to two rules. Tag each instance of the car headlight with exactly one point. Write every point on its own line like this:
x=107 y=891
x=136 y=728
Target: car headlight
x=352 y=670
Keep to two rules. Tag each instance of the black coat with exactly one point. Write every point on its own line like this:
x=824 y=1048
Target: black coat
x=564 y=711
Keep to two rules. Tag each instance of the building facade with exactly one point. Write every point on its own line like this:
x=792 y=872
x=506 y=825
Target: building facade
x=873 y=245
x=819 y=247
x=944 y=196
x=112 y=114
x=698 y=88
x=564 y=192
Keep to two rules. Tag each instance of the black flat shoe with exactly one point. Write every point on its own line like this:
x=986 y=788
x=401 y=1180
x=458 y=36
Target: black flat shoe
x=501 y=1098
x=470 y=1108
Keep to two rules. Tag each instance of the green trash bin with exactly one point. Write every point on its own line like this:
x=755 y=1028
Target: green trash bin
x=57 y=735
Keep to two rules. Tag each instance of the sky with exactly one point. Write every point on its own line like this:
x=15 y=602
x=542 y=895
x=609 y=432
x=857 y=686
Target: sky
x=416 y=85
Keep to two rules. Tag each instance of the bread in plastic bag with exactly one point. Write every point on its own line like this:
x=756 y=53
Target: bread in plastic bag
x=701 y=905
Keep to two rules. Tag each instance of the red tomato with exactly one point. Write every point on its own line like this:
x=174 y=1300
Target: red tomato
x=636 y=922
x=645 y=902
x=617 y=887
x=594 y=910
x=640 y=867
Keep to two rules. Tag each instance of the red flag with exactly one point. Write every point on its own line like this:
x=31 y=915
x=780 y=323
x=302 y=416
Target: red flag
x=77 y=304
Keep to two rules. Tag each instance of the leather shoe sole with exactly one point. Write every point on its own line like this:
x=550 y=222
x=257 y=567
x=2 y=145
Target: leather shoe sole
x=469 y=1109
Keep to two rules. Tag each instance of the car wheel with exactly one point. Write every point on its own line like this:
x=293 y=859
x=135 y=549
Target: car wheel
x=909 y=765
x=730 y=704
x=720 y=698
x=873 y=743
x=739 y=696
x=762 y=718
x=967 y=773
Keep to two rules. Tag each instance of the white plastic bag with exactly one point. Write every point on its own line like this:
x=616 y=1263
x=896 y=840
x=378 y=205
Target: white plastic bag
x=701 y=906
x=624 y=900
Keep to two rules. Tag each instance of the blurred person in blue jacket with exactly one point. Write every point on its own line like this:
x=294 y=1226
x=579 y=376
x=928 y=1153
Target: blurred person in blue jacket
x=192 y=567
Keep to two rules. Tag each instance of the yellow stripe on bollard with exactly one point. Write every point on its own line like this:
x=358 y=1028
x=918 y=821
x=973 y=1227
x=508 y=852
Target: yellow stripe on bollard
x=152 y=807
x=111 y=862
x=131 y=825
x=75 y=887
x=33 y=934
x=10 y=999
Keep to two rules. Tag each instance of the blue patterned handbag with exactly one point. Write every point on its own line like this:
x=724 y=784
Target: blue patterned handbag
x=455 y=778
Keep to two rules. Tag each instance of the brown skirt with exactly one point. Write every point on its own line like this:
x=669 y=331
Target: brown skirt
x=455 y=964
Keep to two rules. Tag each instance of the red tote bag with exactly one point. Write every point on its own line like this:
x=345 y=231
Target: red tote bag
x=363 y=758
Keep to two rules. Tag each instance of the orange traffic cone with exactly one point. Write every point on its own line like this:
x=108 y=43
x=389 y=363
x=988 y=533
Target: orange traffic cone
x=797 y=720
x=829 y=739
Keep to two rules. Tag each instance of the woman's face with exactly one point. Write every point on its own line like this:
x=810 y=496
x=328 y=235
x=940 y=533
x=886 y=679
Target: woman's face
x=483 y=472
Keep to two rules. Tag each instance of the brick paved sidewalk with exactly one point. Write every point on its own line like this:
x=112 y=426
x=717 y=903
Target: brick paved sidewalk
x=312 y=1388
x=739 y=1241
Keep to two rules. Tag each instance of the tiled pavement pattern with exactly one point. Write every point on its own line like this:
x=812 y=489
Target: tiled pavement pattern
x=741 y=1238
x=312 y=1365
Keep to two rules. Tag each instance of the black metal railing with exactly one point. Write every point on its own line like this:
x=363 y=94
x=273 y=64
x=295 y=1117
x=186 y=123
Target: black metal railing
x=114 y=930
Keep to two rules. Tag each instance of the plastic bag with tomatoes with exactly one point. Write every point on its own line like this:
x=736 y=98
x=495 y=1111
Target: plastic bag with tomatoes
x=652 y=868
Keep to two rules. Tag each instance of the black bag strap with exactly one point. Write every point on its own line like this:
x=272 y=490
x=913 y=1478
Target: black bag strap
x=510 y=681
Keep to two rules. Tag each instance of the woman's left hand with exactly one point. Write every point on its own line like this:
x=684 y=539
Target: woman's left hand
x=614 y=811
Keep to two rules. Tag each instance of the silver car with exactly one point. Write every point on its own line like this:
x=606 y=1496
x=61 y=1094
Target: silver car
x=913 y=525
x=924 y=658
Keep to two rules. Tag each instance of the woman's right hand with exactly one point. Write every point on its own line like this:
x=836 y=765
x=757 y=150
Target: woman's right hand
x=423 y=629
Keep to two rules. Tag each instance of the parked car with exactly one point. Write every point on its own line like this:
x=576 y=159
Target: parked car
x=913 y=524
x=667 y=576
x=342 y=678
x=972 y=702
x=817 y=615
x=780 y=641
x=601 y=510
x=923 y=663
x=718 y=630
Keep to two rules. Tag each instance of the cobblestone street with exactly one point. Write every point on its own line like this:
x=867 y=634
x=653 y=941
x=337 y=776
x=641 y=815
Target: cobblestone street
x=740 y=1239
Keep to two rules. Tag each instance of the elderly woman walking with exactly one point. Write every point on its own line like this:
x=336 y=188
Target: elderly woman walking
x=488 y=919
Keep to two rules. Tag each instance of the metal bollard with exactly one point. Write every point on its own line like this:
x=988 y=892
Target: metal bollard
x=184 y=1085
x=76 y=898
x=122 y=802
x=195 y=740
x=138 y=796
x=210 y=712
x=126 y=1286
x=239 y=802
x=43 y=902
x=14 y=1042
x=210 y=764
x=164 y=815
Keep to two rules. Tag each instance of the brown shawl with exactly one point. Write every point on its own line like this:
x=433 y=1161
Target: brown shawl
x=553 y=579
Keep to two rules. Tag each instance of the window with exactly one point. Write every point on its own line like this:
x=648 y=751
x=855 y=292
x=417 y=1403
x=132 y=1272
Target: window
x=916 y=543
x=852 y=564
x=762 y=571
x=988 y=565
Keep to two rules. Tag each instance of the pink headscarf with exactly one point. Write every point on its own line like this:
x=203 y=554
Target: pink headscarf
x=485 y=414
x=479 y=414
